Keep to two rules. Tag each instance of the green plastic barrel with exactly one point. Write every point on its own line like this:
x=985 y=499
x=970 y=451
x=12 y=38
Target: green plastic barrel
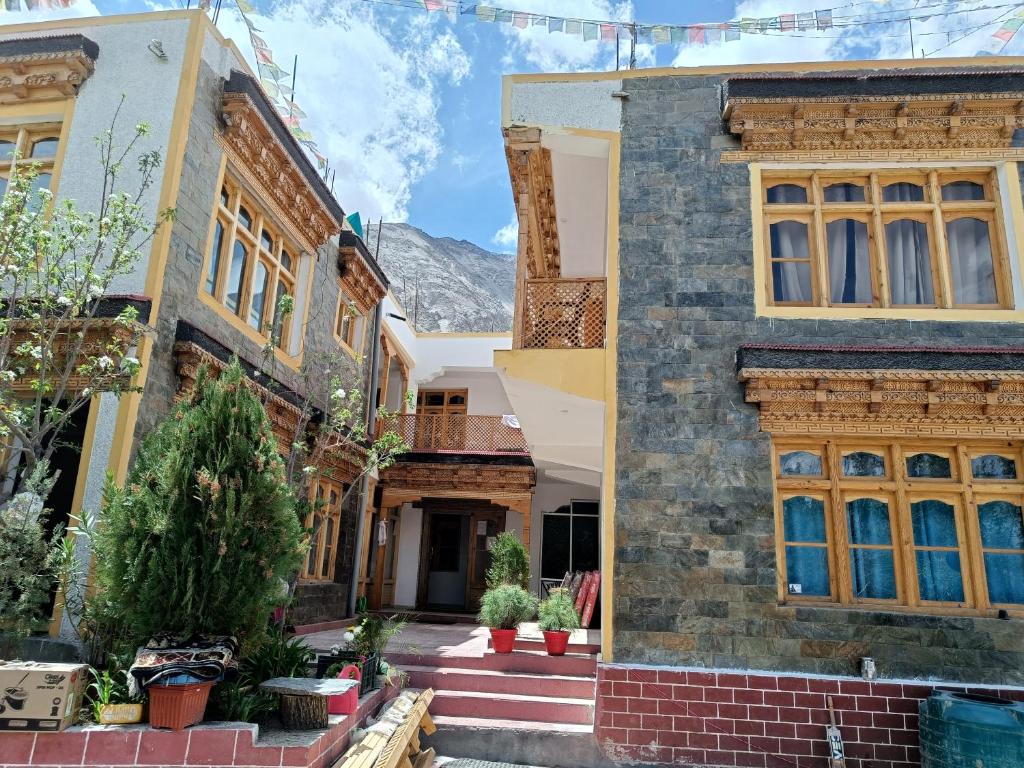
x=967 y=730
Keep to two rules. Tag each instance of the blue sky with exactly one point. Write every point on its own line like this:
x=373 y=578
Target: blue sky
x=406 y=104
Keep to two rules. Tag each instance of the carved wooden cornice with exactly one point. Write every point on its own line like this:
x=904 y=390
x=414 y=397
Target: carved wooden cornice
x=877 y=122
x=458 y=480
x=887 y=402
x=43 y=76
x=533 y=188
x=358 y=280
x=269 y=165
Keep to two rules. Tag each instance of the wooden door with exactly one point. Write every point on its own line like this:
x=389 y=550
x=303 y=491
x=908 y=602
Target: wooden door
x=483 y=527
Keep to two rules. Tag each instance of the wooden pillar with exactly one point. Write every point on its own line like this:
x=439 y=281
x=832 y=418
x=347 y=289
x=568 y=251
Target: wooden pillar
x=364 y=551
x=386 y=349
x=521 y=254
x=404 y=370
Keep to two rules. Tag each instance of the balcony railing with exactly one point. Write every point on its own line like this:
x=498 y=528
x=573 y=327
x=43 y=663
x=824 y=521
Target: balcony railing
x=427 y=433
x=563 y=313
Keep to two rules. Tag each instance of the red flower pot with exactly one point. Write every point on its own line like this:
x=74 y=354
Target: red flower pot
x=348 y=702
x=503 y=640
x=556 y=642
x=177 y=706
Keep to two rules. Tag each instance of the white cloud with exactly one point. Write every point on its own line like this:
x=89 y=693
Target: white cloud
x=370 y=87
x=506 y=237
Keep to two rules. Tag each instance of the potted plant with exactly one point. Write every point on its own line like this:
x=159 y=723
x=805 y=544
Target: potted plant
x=503 y=608
x=556 y=616
x=112 y=703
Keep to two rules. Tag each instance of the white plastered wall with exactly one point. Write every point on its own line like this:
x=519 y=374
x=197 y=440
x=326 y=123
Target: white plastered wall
x=410 y=532
x=575 y=104
x=548 y=497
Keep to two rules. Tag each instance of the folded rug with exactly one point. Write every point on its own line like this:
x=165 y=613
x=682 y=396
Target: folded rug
x=199 y=658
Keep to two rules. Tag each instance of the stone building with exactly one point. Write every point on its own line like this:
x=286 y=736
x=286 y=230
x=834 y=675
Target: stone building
x=789 y=298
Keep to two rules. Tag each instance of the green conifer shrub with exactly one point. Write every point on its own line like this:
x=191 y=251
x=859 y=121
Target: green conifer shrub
x=196 y=540
x=510 y=562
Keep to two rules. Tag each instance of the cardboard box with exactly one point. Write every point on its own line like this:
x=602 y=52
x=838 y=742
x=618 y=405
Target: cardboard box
x=40 y=697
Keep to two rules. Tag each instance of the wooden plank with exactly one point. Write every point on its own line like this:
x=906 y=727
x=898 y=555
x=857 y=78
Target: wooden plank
x=588 y=607
x=581 y=595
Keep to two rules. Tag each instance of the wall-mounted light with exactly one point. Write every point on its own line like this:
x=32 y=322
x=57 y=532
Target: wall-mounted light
x=157 y=49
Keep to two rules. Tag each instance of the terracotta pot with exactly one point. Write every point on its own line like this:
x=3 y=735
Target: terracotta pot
x=556 y=642
x=503 y=640
x=177 y=706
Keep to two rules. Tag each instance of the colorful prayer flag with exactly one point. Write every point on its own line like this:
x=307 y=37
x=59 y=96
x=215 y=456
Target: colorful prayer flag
x=608 y=32
x=434 y=5
x=787 y=22
x=660 y=34
x=540 y=21
x=805 y=21
x=824 y=19
x=678 y=34
x=356 y=222
x=273 y=70
x=300 y=133
x=294 y=109
x=245 y=6
x=643 y=35
x=258 y=42
x=485 y=13
x=503 y=17
x=765 y=24
x=469 y=10
x=264 y=55
x=520 y=20
x=732 y=34
x=556 y=25
x=590 y=31
x=321 y=161
x=697 y=34
x=573 y=26
x=712 y=34
x=248 y=22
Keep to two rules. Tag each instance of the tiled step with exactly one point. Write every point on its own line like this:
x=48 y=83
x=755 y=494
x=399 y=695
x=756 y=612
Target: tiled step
x=508 y=706
x=525 y=662
x=486 y=681
x=527 y=742
x=535 y=644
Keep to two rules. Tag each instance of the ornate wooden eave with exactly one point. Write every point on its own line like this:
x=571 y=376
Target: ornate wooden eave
x=414 y=479
x=963 y=403
x=533 y=190
x=361 y=279
x=266 y=163
x=41 y=69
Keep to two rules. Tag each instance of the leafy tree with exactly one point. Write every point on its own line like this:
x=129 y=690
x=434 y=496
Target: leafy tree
x=510 y=562
x=205 y=525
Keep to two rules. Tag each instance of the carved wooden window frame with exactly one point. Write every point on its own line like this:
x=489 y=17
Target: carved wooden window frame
x=281 y=261
x=961 y=490
x=321 y=560
x=933 y=211
x=348 y=323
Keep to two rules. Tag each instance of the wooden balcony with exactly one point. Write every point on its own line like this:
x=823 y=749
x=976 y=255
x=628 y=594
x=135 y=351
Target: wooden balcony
x=489 y=435
x=561 y=313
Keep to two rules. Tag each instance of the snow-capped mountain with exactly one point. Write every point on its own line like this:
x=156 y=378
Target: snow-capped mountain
x=446 y=284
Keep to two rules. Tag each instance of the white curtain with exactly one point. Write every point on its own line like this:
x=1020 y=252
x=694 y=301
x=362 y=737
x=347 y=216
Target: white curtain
x=849 y=272
x=791 y=281
x=970 y=261
x=910 y=274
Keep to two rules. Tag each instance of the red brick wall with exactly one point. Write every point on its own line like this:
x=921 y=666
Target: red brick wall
x=697 y=717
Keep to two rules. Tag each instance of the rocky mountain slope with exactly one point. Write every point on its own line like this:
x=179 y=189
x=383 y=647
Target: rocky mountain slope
x=446 y=284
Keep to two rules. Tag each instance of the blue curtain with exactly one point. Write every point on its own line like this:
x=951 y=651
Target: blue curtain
x=872 y=570
x=938 y=573
x=803 y=519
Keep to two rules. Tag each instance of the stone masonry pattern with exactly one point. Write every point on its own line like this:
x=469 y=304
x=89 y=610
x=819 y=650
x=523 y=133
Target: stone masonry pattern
x=695 y=580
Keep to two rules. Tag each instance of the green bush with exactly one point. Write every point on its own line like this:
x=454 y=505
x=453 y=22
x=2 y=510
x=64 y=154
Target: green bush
x=238 y=703
x=557 y=612
x=195 y=541
x=510 y=562
x=275 y=656
x=506 y=607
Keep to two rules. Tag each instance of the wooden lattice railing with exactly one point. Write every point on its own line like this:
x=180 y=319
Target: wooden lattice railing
x=563 y=313
x=457 y=434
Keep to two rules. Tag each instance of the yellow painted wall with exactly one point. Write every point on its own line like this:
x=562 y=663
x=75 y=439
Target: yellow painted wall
x=579 y=372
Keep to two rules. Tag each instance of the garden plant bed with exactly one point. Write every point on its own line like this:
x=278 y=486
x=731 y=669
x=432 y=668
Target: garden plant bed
x=239 y=745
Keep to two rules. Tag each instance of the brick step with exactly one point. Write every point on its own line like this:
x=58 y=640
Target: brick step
x=525 y=742
x=487 y=681
x=524 y=662
x=510 y=706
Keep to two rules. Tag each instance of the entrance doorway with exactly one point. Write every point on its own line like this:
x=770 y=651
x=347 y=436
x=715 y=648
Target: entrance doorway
x=448 y=562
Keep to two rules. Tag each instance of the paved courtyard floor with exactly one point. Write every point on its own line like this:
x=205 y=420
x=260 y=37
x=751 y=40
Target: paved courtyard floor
x=462 y=762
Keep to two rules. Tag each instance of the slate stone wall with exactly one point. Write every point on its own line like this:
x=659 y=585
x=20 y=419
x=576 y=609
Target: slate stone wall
x=694 y=552
x=180 y=300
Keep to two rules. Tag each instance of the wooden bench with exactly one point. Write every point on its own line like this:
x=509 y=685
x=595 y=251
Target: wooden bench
x=304 y=699
x=394 y=740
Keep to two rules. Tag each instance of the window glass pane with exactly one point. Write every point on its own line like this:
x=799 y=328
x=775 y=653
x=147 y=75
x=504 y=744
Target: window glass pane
x=584 y=544
x=903 y=192
x=963 y=190
x=803 y=519
x=42 y=181
x=215 y=249
x=585 y=508
x=225 y=197
x=867 y=521
x=236 y=277
x=800 y=463
x=325 y=570
x=456 y=400
x=934 y=523
x=286 y=260
x=282 y=290
x=910 y=273
x=1001 y=525
x=863 y=464
x=1005 y=576
x=7 y=150
x=786 y=193
x=554 y=556
x=938 y=576
x=791 y=281
x=993 y=467
x=44 y=149
x=873 y=575
x=259 y=295
x=244 y=217
x=928 y=465
x=970 y=261
x=843 y=193
x=807 y=571
x=849 y=266
x=267 y=241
